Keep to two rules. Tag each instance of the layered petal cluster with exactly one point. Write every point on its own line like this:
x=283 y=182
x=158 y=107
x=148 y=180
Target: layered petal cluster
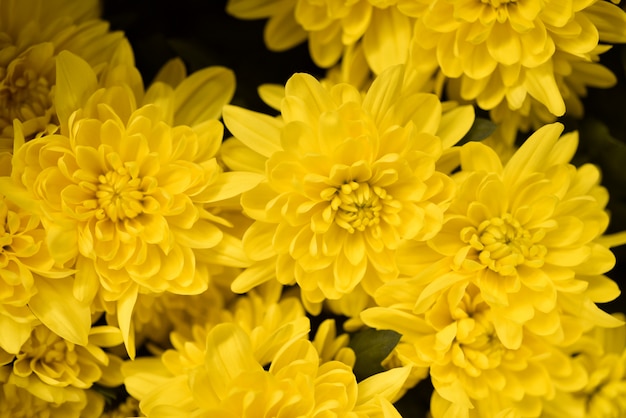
x=348 y=177
x=522 y=53
x=473 y=372
x=270 y=324
x=54 y=372
x=602 y=353
x=384 y=27
x=529 y=235
x=26 y=270
x=16 y=401
x=513 y=276
x=33 y=32
x=231 y=382
x=129 y=183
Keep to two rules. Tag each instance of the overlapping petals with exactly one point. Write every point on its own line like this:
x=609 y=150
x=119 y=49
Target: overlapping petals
x=347 y=178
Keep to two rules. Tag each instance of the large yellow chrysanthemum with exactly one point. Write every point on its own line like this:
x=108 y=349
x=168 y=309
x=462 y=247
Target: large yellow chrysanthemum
x=347 y=178
x=384 y=27
x=512 y=51
x=602 y=353
x=33 y=32
x=529 y=234
x=129 y=185
x=231 y=382
x=473 y=372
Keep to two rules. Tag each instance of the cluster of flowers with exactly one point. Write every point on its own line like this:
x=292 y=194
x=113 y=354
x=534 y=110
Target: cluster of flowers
x=145 y=253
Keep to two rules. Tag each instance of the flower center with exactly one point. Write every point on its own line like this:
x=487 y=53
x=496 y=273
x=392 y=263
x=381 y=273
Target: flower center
x=119 y=195
x=357 y=205
x=503 y=244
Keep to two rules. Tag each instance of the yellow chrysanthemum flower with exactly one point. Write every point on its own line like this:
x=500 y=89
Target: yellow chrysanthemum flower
x=347 y=178
x=271 y=323
x=384 y=27
x=50 y=374
x=529 y=234
x=47 y=365
x=473 y=373
x=130 y=189
x=232 y=382
x=18 y=402
x=33 y=32
x=523 y=53
x=30 y=280
x=573 y=75
x=602 y=353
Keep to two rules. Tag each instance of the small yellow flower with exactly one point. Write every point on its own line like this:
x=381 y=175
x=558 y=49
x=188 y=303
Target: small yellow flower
x=528 y=234
x=602 y=353
x=47 y=365
x=128 y=190
x=384 y=27
x=231 y=382
x=27 y=270
x=519 y=54
x=473 y=372
x=348 y=177
x=18 y=402
x=27 y=66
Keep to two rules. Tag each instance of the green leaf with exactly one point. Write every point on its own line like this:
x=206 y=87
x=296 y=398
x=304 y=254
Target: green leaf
x=480 y=130
x=371 y=348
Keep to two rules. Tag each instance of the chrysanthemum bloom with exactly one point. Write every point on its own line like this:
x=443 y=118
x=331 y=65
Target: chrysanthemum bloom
x=602 y=353
x=30 y=280
x=232 y=382
x=47 y=365
x=573 y=75
x=505 y=51
x=529 y=234
x=17 y=402
x=347 y=178
x=271 y=323
x=33 y=32
x=129 y=189
x=472 y=371
x=384 y=27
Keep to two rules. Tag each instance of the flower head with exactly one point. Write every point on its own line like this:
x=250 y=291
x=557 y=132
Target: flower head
x=384 y=27
x=473 y=372
x=602 y=353
x=510 y=52
x=27 y=66
x=18 y=402
x=232 y=382
x=528 y=234
x=347 y=178
x=26 y=271
x=127 y=189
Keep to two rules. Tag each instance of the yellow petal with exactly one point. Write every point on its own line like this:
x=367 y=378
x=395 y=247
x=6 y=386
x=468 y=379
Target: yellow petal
x=56 y=307
x=202 y=95
x=125 y=306
x=387 y=40
x=75 y=82
x=259 y=132
x=283 y=32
